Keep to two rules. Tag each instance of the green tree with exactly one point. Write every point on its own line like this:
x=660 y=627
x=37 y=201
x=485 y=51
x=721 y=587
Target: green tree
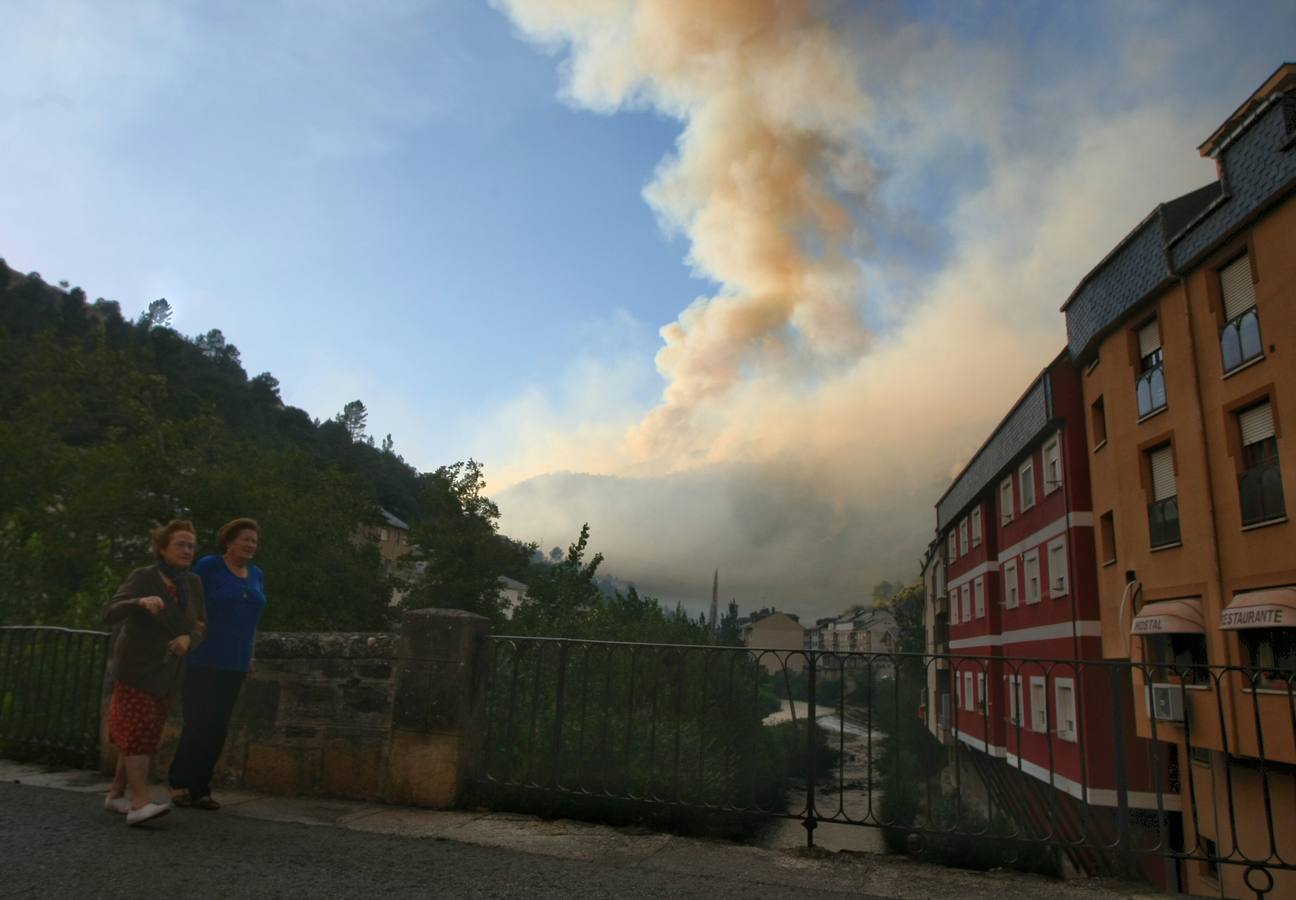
x=459 y=548
x=158 y=314
x=354 y=418
x=560 y=601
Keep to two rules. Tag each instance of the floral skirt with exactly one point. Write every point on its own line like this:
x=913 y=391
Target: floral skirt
x=135 y=720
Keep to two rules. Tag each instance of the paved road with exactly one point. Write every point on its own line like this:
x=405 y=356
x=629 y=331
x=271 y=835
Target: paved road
x=60 y=844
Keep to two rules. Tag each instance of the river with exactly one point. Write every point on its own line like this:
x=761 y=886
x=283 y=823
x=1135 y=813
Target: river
x=844 y=792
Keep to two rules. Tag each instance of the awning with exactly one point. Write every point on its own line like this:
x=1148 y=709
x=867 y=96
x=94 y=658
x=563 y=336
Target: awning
x=1270 y=608
x=1170 y=617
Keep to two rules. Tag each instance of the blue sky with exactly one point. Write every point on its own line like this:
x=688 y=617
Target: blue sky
x=418 y=204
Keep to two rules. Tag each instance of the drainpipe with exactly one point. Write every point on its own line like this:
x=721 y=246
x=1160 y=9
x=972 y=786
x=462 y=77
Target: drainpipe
x=1201 y=429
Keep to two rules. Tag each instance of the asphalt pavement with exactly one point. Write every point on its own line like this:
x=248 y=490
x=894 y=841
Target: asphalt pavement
x=56 y=840
x=61 y=844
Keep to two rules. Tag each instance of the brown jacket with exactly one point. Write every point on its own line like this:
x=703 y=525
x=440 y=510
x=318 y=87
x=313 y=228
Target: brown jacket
x=140 y=656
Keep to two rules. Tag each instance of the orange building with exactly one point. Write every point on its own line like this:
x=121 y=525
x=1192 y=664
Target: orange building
x=1185 y=336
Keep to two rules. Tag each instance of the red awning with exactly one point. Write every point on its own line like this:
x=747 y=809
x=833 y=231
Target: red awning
x=1270 y=608
x=1169 y=617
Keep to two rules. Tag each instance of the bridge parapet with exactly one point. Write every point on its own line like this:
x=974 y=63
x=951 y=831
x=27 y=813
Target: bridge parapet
x=365 y=716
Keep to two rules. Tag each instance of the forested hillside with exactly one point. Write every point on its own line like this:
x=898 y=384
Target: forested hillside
x=111 y=426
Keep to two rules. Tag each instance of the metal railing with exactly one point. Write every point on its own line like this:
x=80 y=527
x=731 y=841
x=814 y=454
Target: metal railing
x=1163 y=522
x=1240 y=340
x=1149 y=390
x=51 y=686
x=1094 y=763
x=1260 y=490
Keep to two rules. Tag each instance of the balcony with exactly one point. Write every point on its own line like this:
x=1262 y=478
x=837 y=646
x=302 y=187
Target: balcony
x=1149 y=388
x=1163 y=522
x=1261 y=492
x=1240 y=340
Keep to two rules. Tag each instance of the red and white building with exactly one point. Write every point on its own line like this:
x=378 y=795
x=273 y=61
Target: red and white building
x=1013 y=602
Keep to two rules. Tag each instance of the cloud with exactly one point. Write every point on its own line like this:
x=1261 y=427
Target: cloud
x=809 y=477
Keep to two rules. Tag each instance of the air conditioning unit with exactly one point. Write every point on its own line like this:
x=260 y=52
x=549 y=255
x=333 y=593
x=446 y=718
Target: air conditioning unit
x=1166 y=702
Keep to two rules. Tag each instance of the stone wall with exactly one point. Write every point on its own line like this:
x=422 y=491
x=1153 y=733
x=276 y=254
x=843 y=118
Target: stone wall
x=389 y=717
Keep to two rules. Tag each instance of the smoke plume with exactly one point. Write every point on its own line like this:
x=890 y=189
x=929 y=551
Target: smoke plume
x=772 y=114
x=792 y=448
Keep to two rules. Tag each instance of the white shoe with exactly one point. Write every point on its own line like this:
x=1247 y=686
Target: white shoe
x=147 y=812
x=117 y=804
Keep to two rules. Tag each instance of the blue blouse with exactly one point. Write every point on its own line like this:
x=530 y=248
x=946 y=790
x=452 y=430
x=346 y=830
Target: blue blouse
x=234 y=607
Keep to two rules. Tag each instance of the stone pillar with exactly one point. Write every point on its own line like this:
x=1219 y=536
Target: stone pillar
x=442 y=667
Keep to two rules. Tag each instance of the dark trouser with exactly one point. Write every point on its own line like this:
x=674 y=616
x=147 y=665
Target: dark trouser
x=208 y=696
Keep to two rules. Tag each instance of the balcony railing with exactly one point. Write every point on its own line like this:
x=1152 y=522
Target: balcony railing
x=1261 y=491
x=1163 y=522
x=1149 y=387
x=1240 y=340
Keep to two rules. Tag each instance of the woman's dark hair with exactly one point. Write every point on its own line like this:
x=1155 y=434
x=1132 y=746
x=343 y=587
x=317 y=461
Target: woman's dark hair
x=231 y=529
x=162 y=534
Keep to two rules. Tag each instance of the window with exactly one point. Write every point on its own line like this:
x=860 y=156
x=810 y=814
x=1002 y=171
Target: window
x=953 y=546
x=979 y=592
x=967 y=603
x=1270 y=655
x=1015 y=711
x=1031 y=562
x=953 y=606
x=1039 y=704
x=382 y=534
x=981 y=691
x=969 y=702
x=1010 y=584
x=1107 y=535
x=1149 y=387
x=1053 y=465
x=1260 y=484
x=1026 y=484
x=1098 y=423
x=1177 y=658
x=963 y=537
x=1057 y=568
x=976 y=527
x=1065 y=707
x=1006 y=501
x=1240 y=336
x=1163 y=511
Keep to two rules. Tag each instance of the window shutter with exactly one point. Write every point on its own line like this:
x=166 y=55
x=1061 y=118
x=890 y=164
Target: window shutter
x=1256 y=423
x=1149 y=338
x=1239 y=290
x=1163 y=477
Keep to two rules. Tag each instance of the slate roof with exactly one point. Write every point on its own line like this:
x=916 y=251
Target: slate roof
x=1258 y=164
x=1019 y=428
x=1257 y=172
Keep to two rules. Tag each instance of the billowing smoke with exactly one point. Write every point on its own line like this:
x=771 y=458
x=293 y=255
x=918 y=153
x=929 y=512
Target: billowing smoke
x=791 y=448
x=772 y=116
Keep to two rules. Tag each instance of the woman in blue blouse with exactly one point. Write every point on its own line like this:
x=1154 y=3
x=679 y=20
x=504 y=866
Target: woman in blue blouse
x=235 y=591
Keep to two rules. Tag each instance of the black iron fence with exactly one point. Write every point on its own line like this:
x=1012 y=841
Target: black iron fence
x=1107 y=767
x=51 y=686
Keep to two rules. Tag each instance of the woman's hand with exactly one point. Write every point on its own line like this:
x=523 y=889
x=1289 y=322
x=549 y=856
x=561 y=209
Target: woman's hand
x=152 y=605
x=179 y=646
